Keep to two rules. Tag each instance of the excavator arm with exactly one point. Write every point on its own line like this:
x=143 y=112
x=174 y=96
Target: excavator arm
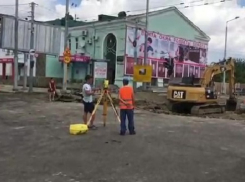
x=218 y=68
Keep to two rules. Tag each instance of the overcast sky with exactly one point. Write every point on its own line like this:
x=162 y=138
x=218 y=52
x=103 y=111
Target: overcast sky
x=210 y=18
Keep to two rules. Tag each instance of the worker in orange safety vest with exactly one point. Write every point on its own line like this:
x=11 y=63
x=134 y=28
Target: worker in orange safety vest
x=126 y=104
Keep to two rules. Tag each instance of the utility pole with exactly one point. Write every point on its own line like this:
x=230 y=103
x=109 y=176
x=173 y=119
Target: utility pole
x=135 y=43
x=25 y=71
x=32 y=47
x=16 y=27
x=66 y=45
x=224 y=73
x=146 y=37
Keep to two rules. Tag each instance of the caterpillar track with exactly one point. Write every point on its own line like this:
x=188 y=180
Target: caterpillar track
x=207 y=109
x=202 y=109
x=196 y=109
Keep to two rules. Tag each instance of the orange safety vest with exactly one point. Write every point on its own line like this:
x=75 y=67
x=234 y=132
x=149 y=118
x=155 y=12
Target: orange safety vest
x=125 y=93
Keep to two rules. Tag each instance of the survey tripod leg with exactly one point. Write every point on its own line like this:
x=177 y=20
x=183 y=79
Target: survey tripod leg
x=104 y=96
x=95 y=108
x=114 y=108
x=105 y=108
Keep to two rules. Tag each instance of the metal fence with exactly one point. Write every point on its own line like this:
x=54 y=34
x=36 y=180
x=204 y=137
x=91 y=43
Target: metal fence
x=239 y=87
x=47 y=38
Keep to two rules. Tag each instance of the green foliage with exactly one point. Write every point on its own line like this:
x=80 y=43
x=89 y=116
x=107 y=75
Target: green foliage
x=239 y=72
x=63 y=20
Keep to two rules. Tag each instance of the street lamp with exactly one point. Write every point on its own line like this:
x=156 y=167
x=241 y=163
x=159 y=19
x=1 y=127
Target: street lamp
x=226 y=30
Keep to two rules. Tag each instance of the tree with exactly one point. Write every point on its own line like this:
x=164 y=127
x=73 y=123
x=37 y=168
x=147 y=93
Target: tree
x=239 y=72
x=63 y=20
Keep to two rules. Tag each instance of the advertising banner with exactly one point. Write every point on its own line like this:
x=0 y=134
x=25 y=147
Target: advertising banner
x=100 y=73
x=100 y=70
x=188 y=56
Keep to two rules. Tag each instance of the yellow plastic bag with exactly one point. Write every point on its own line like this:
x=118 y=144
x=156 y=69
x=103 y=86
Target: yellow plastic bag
x=77 y=129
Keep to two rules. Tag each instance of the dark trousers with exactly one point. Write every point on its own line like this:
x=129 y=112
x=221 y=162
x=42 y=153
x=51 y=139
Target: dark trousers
x=127 y=113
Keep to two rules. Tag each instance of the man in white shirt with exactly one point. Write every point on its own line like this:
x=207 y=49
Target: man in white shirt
x=88 y=93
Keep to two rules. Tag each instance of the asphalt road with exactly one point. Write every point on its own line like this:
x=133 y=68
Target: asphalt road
x=35 y=146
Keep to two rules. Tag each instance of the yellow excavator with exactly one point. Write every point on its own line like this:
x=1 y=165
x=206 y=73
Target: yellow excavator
x=198 y=96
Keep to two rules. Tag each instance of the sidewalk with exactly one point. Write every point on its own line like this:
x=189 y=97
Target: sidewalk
x=9 y=89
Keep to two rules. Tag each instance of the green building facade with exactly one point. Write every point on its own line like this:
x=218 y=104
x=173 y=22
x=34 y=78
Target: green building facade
x=105 y=39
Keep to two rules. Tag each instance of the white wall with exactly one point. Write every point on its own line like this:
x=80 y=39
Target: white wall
x=3 y=54
x=8 y=69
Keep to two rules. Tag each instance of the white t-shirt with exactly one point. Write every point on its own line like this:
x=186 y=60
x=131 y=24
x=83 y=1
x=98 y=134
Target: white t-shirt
x=87 y=98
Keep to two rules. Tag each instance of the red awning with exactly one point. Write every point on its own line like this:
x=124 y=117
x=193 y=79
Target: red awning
x=76 y=58
x=6 y=60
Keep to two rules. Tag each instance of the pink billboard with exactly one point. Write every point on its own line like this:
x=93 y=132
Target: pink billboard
x=188 y=56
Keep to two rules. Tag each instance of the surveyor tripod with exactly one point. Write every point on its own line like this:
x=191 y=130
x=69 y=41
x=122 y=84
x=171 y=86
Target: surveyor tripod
x=105 y=97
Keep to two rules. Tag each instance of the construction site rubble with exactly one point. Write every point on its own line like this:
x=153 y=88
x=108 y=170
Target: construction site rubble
x=150 y=101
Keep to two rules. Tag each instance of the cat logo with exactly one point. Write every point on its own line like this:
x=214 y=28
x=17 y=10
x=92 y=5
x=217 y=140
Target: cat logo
x=178 y=94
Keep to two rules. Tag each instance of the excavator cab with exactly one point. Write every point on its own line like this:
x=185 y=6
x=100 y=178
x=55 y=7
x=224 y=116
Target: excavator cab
x=191 y=81
x=169 y=64
x=187 y=95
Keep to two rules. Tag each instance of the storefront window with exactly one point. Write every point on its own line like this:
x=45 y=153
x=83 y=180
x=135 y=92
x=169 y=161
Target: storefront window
x=178 y=70
x=197 y=70
x=120 y=67
x=76 y=43
x=186 y=66
x=69 y=43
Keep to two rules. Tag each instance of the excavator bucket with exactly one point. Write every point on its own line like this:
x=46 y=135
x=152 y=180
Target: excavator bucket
x=231 y=104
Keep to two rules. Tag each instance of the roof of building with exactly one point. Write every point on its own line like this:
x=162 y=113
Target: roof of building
x=180 y=13
x=106 y=18
x=76 y=23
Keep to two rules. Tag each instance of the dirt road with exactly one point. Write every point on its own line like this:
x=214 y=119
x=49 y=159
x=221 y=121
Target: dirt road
x=35 y=146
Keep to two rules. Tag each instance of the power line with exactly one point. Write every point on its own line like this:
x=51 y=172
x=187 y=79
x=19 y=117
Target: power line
x=13 y=9
x=12 y=5
x=196 y=5
x=180 y=4
x=156 y=8
x=48 y=9
x=173 y=5
x=137 y=10
x=176 y=4
x=41 y=6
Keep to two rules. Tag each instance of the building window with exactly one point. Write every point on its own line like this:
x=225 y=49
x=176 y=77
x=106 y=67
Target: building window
x=120 y=58
x=119 y=67
x=69 y=43
x=171 y=46
x=76 y=43
x=8 y=53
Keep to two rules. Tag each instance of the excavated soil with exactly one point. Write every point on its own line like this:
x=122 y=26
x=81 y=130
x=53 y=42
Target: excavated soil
x=156 y=102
